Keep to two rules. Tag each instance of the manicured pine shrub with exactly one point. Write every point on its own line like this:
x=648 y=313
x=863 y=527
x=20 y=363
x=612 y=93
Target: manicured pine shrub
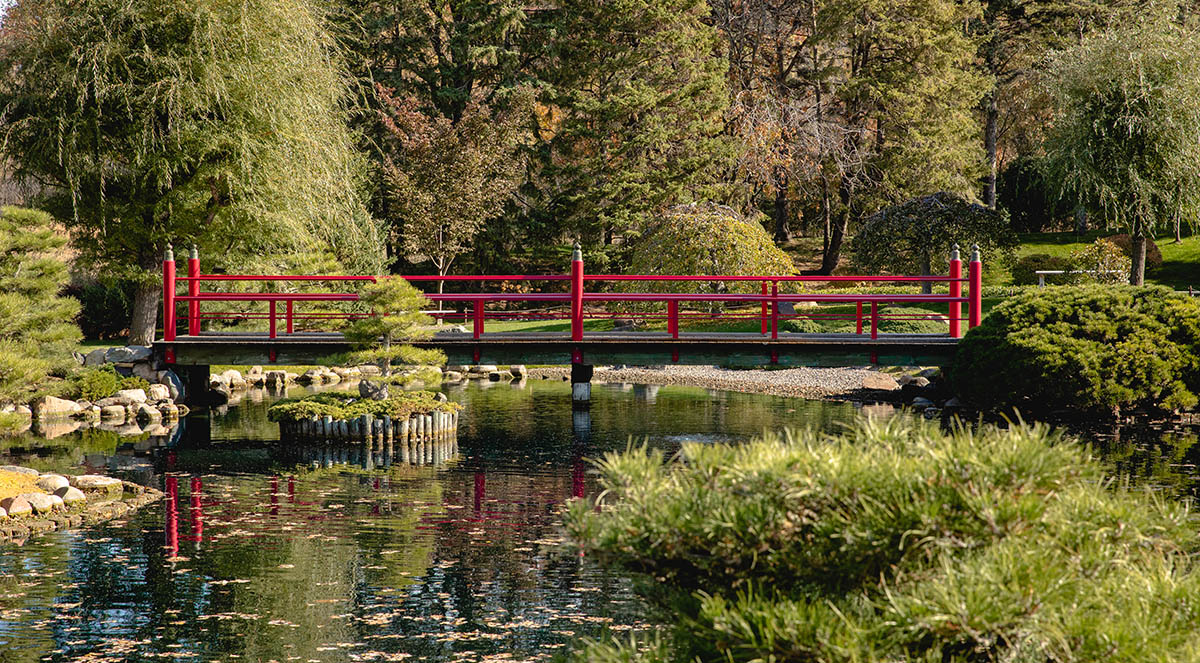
x=894 y=541
x=1104 y=348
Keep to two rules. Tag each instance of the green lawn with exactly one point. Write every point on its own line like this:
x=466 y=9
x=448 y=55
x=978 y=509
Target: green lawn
x=1180 y=268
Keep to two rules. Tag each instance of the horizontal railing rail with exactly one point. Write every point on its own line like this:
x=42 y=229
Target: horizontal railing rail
x=769 y=305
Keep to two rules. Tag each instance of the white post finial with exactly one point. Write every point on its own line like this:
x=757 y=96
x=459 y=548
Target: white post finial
x=954 y=252
x=975 y=253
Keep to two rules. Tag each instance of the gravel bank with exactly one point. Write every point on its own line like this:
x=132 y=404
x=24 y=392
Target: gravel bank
x=813 y=383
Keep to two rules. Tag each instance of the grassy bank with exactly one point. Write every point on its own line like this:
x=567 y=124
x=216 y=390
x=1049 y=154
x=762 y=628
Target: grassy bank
x=895 y=541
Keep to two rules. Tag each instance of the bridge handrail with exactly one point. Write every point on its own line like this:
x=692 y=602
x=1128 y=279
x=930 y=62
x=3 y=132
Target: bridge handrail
x=770 y=298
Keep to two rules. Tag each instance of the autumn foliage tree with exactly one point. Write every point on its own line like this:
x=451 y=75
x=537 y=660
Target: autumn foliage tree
x=446 y=178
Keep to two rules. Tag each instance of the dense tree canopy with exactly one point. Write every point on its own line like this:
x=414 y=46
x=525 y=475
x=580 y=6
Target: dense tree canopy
x=148 y=121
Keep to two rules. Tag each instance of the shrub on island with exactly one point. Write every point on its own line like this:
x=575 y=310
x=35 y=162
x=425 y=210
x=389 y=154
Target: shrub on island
x=894 y=541
x=399 y=406
x=1094 y=348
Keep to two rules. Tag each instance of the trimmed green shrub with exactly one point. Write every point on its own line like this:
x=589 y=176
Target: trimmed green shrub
x=894 y=541
x=1024 y=270
x=1083 y=348
x=92 y=384
x=1154 y=257
x=398 y=406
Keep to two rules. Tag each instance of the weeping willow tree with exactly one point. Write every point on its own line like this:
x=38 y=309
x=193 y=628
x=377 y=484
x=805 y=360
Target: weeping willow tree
x=222 y=124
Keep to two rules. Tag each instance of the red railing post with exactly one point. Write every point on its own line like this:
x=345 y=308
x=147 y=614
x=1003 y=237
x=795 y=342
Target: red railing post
x=290 y=314
x=673 y=318
x=858 y=317
x=955 y=293
x=765 y=321
x=271 y=307
x=577 y=294
x=168 y=268
x=975 y=283
x=874 y=320
x=774 y=310
x=193 y=290
x=477 y=330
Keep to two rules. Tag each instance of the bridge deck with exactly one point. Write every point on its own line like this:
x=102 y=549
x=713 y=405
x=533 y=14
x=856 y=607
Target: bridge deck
x=652 y=348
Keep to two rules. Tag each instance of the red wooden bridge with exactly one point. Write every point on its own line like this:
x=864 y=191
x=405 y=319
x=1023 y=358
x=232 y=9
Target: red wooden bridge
x=296 y=317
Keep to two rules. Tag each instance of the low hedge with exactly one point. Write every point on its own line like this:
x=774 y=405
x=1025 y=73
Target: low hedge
x=894 y=541
x=1103 y=348
x=399 y=406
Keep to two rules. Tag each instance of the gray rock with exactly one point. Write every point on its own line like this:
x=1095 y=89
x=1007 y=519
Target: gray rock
x=146 y=372
x=169 y=411
x=369 y=369
x=147 y=414
x=255 y=370
x=127 y=355
x=371 y=391
x=52 y=482
x=921 y=401
x=3 y=513
x=931 y=413
x=952 y=403
x=49 y=407
x=159 y=392
x=930 y=373
x=57 y=503
x=16 y=506
x=916 y=381
x=497 y=376
x=20 y=470
x=41 y=502
x=518 y=370
x=452 y=376
x=483 y=369
x=131 y=395
x=173 y=383
x=879 y=382
x=95 y=357
x=70 y=495
x=234 y=379
x=440 y=397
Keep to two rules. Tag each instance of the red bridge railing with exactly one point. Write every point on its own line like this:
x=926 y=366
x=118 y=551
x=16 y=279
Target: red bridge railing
x=573 y=303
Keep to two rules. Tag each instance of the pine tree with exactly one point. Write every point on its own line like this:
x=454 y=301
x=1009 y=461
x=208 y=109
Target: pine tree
x=151 y=121
x=37 y=326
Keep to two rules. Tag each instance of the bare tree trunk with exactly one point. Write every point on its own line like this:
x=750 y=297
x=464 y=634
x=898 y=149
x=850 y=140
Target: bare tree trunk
x=1137 y=270
x=1081 y=221
x=145 y=313
x=1178 y=227
x=782 y=233
x=926 y=270
x=991 y=122
x=837 y=233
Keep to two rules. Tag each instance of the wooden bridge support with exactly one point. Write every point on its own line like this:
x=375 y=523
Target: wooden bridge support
x=581 y=384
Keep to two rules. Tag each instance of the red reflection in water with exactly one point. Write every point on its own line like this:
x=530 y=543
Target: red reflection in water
x=275 y=496
x=577 y=487
x=480 y=490
x=197 y=512
x=172 y=524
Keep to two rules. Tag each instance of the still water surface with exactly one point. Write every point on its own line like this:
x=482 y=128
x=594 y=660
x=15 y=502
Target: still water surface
x=262 y=553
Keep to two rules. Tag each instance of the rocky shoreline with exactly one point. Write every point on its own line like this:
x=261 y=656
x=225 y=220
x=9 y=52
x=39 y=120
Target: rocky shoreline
x=66 y=502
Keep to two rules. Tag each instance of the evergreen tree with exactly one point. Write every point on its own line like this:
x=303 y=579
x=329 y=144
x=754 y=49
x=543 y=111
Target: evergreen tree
x=151 y=121
x=37 y=326
x=633 y=111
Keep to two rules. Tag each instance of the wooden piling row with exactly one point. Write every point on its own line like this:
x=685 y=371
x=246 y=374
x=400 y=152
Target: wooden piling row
x=413 y=437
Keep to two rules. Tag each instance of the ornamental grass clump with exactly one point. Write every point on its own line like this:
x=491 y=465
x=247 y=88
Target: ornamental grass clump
x=895 y=541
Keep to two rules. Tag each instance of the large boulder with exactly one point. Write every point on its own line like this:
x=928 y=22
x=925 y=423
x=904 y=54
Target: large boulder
x=114 y=414
x=146 y=372
x=16 y=506
x=97 y=484
x=880 y=382
x=52 y=482
x=518 y=370
x=276 y=378
x=95 y=357
x=147 y=414
x=127 y=355
x=20 y=470
x=234 y=379
x=159 y=392
x=173 y=384
x=49 y=407
x=42 y=503
x=131 y=395
x=71 y=495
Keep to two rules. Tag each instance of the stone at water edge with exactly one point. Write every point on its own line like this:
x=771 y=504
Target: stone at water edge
x=49 y=406
x=440 y=397
x=16 y=506
x=71 y=495
x=52 y=482
x=148 y=414
x=131 y=395
x=880 y=382
x=159 y=392
x=41 y=502
x=127 y=355
x=3 y=513
x=145 y=372
x=20 y=470
x=255 y=370
x=97 y=483
x=113 y=414
x=234 y=379
x=453 y=376
x=496 y=376
x=921 y=402
x=518 y=370
x=368 y=369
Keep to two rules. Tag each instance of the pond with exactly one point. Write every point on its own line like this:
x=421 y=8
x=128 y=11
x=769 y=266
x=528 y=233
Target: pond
x=263 y=552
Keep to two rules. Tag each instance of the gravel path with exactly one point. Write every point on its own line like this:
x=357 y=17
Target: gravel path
x=794 y=382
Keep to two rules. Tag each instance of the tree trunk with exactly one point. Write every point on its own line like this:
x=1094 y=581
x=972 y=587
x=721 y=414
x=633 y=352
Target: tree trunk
x=1178 y=227
x=926 y=270
x=837 y=232
x=1137 y=270
x=782 y=233
x=991 y=122
x=145 y=313
x=1081 y=221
